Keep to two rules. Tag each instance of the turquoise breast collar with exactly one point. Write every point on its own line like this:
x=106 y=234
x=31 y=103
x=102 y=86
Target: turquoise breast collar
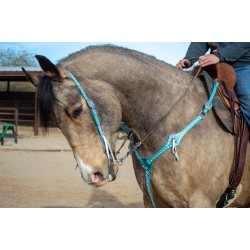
x=173 y=141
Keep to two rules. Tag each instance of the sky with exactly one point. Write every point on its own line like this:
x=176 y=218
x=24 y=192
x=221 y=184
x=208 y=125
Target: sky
x=170 y=52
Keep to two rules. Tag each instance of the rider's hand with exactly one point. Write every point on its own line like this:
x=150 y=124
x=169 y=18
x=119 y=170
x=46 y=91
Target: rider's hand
x=208 y=59
x=184 y=63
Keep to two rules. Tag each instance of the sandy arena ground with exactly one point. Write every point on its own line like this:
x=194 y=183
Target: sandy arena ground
x=40 y=172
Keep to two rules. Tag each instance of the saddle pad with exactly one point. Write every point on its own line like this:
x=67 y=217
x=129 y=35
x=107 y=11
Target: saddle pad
x=220 y=109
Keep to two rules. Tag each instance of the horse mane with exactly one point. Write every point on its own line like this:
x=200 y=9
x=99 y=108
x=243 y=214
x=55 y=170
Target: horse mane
x=112 y=49
x=45 y=103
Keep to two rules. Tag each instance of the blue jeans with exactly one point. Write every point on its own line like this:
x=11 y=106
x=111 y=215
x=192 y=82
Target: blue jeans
x=242 y=89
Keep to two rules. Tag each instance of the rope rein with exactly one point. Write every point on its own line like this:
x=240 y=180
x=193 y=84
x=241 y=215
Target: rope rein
x=138 y=144
x=173 y=141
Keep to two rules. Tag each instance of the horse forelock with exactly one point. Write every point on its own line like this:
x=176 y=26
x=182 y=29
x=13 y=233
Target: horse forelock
x=45 y=101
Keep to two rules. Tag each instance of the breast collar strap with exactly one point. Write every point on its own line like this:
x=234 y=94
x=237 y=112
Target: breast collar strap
x=173 y=141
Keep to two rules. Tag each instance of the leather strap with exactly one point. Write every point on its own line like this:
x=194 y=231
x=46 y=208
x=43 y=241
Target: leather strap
x=241 y=141
x=241 y=136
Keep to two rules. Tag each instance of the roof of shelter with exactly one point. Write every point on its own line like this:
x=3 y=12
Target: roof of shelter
x=16 y=73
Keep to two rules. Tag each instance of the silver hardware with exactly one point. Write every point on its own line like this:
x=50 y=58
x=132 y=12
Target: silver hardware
x=131 y=151
x=174 y=150
x=208 y=105
x=202 y=115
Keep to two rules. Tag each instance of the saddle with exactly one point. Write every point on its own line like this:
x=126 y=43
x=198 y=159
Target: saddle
x=225 y=74
x=227 y=108
x=225 y=94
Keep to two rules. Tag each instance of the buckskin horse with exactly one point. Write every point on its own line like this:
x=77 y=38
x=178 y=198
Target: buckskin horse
x=89 y=93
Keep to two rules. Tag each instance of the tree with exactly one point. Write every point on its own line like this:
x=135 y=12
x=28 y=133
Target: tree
x=14 y=58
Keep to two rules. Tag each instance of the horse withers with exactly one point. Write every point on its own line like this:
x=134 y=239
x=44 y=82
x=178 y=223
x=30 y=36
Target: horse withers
x=135 y=88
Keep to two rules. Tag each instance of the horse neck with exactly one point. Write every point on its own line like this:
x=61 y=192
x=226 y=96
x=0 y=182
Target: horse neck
x=167 y=99
x=146 y=90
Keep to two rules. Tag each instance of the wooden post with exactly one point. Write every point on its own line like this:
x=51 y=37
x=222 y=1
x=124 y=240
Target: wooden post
x=16 y=119
x=8 y=86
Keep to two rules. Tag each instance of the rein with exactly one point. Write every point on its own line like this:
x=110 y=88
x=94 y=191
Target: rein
x=173 y=141
x=138 y=144
x=166 y=115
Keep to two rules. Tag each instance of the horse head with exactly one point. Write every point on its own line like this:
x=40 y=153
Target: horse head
x=60 y=102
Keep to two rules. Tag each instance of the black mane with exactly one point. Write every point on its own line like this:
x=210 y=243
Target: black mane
x=45 y=101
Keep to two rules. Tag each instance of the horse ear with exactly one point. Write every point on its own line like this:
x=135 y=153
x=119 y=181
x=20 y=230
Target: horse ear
x=34 y=79
x=50 y=69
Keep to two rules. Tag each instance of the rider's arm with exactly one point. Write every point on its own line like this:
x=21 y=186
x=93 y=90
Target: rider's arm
x=195 y=50
x=232 y=52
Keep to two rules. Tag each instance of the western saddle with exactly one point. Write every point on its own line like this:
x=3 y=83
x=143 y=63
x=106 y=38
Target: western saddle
x=226 y=76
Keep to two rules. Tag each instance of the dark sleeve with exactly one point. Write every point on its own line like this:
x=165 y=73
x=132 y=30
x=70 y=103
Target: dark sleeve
x=196 y=50
x=233 y=52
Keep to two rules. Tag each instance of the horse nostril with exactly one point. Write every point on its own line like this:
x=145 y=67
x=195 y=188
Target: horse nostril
x=96 y=177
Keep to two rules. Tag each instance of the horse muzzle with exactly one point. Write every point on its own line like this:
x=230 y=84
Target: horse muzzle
x=98 y=179
x=97 y=176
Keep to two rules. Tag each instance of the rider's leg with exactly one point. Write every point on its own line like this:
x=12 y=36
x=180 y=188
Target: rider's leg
x=242 y=89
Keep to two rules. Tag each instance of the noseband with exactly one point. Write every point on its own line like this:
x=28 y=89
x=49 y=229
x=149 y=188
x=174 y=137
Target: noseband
x=105 y=144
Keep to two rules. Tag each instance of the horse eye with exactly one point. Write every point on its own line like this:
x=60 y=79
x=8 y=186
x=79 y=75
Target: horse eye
x=77 y=112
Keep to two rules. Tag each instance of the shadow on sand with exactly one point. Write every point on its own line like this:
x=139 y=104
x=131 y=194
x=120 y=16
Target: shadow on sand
x=102 y=199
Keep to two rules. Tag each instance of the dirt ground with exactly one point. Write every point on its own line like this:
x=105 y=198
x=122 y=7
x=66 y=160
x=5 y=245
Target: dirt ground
x=40 y=172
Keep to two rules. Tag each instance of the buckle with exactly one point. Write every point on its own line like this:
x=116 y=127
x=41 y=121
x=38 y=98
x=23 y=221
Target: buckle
x=90 y=103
